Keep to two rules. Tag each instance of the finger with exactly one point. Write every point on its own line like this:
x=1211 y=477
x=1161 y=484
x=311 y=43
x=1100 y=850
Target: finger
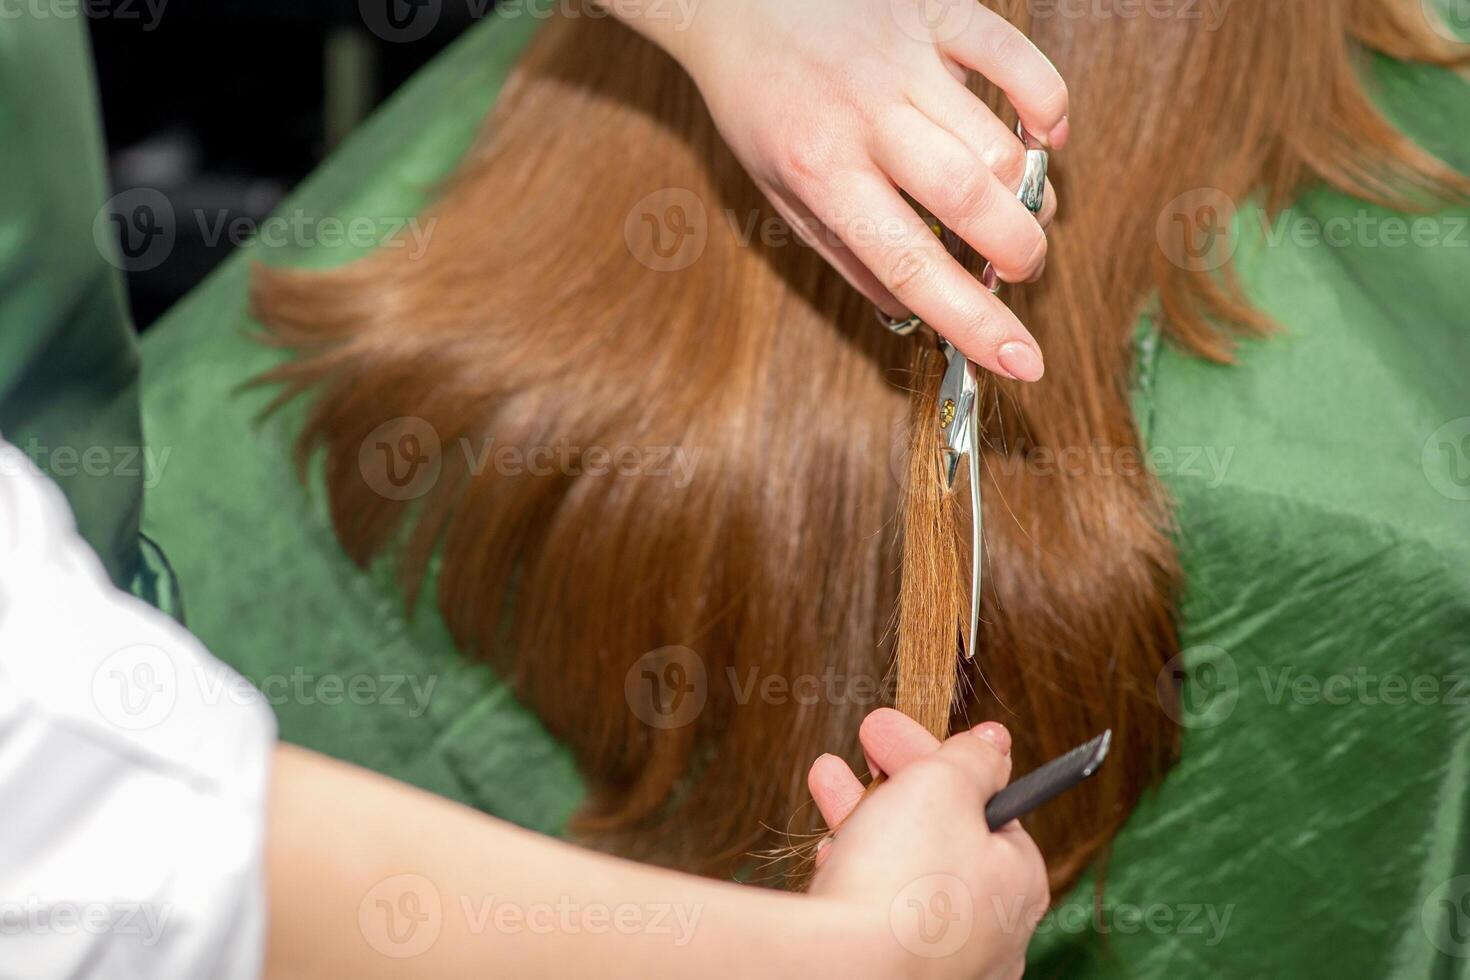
x=982 y=752
x=892 y=740
x=943 y=175
x=955 y=109
x=1017 y=835
x=951 y=106
x=913 y=264
x=1023 y=846
x=1048 y=210
x=838 y=255
x=1044 y=217
x=834 y=788
x=992 y=46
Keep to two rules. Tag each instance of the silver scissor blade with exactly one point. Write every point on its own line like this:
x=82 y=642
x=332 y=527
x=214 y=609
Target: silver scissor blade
x=959 y=418
x=976 y=526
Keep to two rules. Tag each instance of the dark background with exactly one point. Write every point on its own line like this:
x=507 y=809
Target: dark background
x=224 y=105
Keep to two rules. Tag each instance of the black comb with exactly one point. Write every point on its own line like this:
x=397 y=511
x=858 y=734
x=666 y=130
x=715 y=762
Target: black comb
x=1047 y=783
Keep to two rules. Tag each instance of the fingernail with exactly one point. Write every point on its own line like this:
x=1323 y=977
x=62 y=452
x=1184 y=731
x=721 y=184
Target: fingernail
x=1022 y=361
x=996 y=734
x=990 y=279
x=1059 y=134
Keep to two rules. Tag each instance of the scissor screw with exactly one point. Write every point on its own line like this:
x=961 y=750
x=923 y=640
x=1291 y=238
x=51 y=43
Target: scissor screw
x=946 y=413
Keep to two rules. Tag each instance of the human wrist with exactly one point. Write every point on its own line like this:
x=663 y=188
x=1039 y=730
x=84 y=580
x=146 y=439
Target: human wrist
x=853 y=940
x=673 y=26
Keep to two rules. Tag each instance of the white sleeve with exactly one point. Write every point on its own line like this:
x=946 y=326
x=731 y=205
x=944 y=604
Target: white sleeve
x=133 y=771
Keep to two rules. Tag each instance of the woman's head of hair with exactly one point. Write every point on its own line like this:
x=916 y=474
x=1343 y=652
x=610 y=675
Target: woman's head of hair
x=701 y=618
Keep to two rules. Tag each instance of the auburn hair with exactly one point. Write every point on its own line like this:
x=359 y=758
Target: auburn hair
x=784 y=577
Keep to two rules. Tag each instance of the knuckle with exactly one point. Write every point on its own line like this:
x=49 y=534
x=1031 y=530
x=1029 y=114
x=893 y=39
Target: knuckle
x=1048 y=210
x=1039 y=886
x=1038 y=250
x=1010 y=47
x=1026 y=254
x=1030 y=869
x=891 y=121
x=977 y=764
x=941 y=774
x=970 y=195
x=804 y=161
x=1007 y=160
x=907 y=268
x=1036 y=869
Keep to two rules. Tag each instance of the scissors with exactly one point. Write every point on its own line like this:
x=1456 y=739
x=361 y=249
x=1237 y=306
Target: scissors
x=959 y=402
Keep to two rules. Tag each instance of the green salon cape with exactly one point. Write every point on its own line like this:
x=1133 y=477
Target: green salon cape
x=68 y=361
x=1317 y=825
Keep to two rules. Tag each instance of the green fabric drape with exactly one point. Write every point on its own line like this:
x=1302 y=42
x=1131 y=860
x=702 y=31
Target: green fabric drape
x=68 y=361
x=1318 y=824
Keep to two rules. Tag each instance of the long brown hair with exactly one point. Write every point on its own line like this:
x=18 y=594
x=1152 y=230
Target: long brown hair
x=767 y=585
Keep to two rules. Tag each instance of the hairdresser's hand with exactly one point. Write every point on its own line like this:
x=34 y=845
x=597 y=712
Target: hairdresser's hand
x=957 y=900
x=835 y=105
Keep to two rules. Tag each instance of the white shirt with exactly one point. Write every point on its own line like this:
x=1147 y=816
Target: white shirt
x=133 y=771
